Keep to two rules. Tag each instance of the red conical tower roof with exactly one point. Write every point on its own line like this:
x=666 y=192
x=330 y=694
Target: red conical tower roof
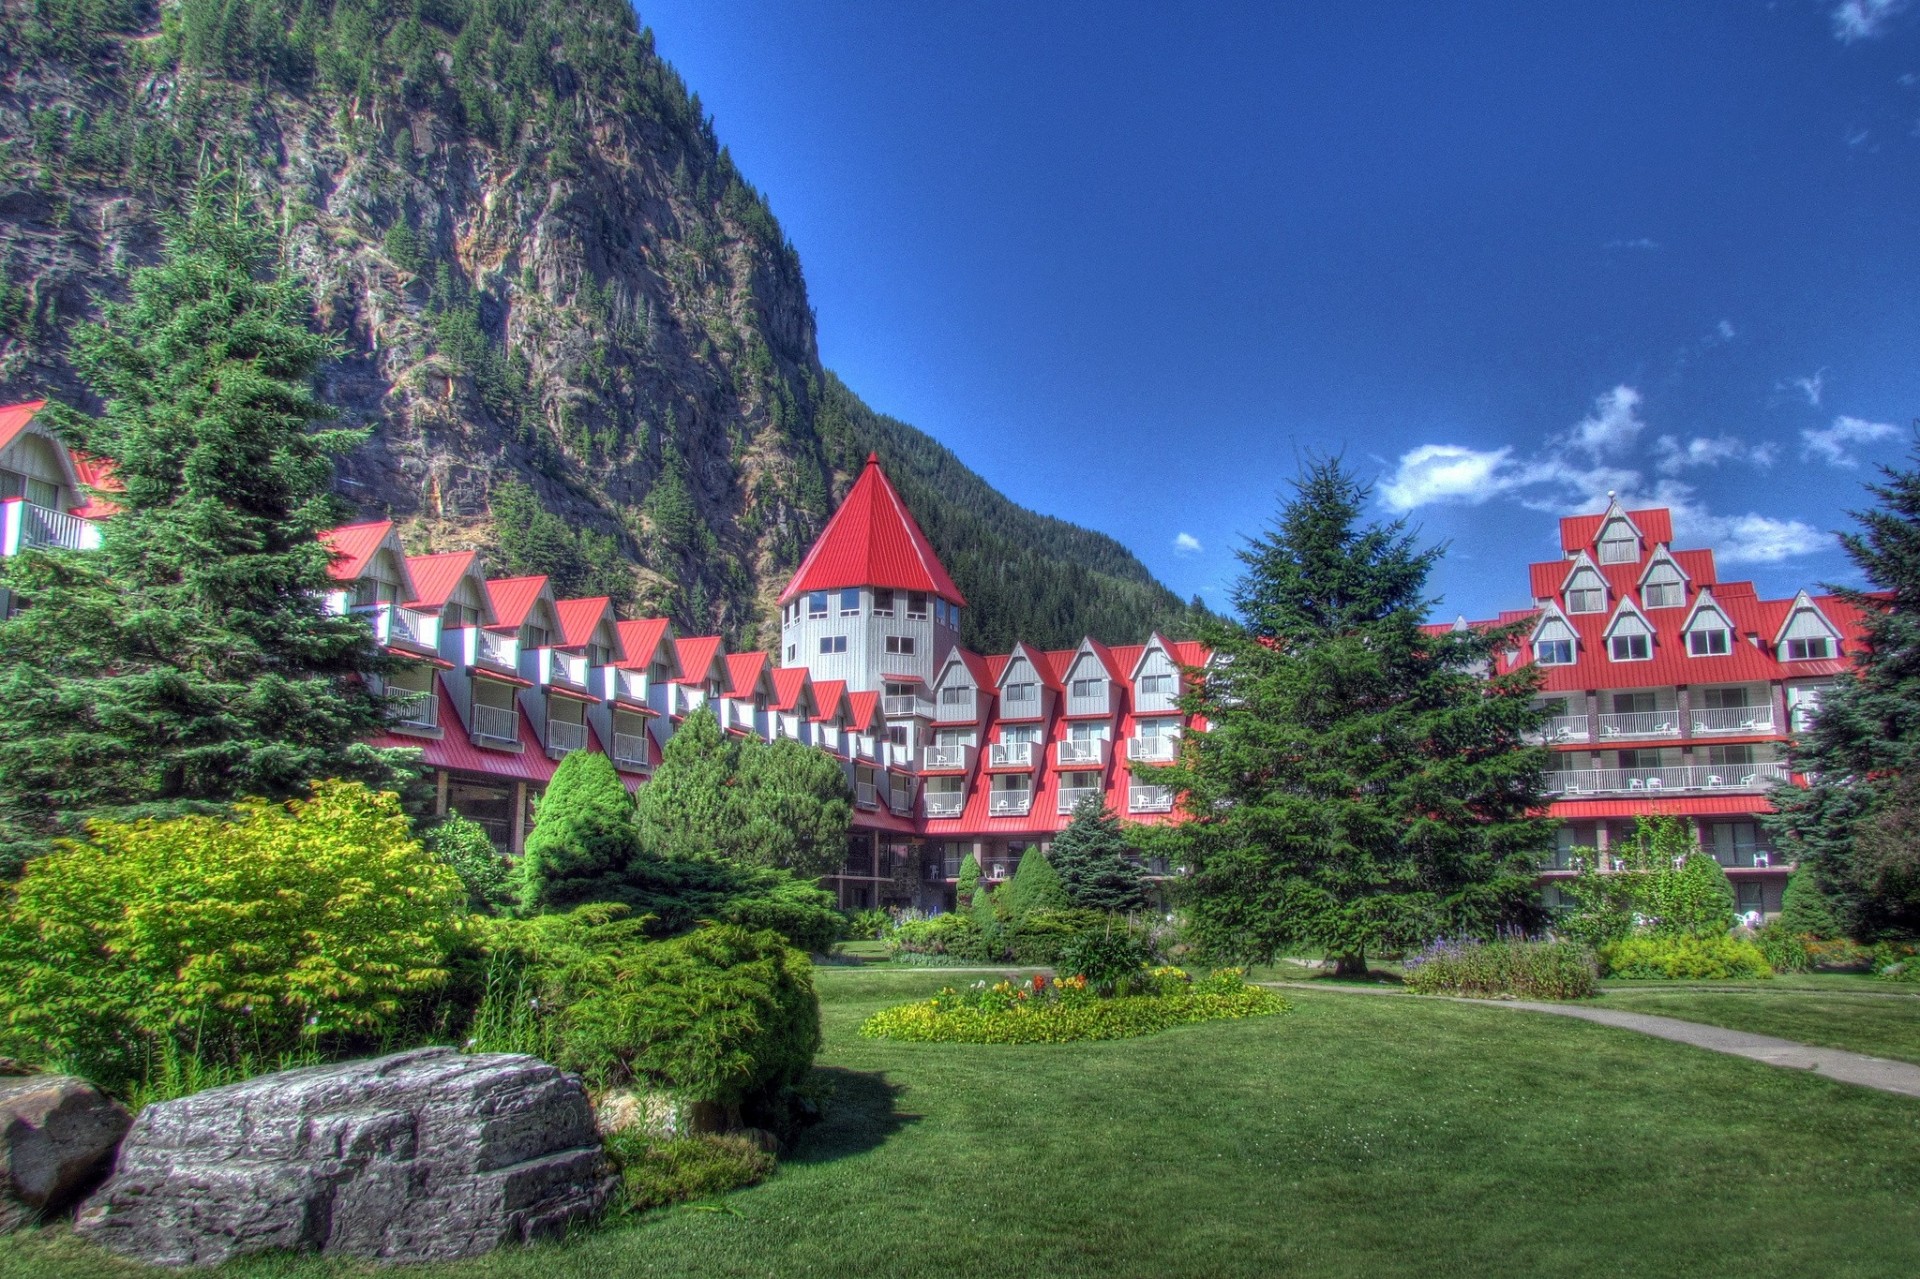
x=872 y=540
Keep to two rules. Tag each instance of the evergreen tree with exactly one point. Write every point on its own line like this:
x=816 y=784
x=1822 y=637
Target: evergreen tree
x=969 y=881
x=191 y=660
x=584 y=842
x=1804 y=910
x=1862 y=756
x=693 y=806
x=1096 y=861
x=464 y=845
x=799 y=808
x=1362 y=783
x=1034 y=886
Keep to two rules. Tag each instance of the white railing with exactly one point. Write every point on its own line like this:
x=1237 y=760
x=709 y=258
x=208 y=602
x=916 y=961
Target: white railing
x=1009 y=803
x=501 y=650
x=1732 y=719
x=946 y=757
x=901 y=801
x=1010 y=755
x=1153 y=750
x=415 y=710
x=498 y=723
x=1641 y=724
x=1562 y=728
x=630 y=752
x=1084 y=752
x=1688 y=777
x=563 y=737
x=1150 y=799
x=904 y=705
x=946 y=804
x=47 y=529
x=1070 y=796
x=865 y=795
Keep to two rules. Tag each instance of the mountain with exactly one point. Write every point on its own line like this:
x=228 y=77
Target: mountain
x=577 y=331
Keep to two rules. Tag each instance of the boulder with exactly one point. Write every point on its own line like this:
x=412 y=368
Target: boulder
x=416 y=1156
x=57 y=1135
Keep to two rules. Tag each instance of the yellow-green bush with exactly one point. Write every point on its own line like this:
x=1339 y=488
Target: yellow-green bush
x=1064 y=1014
x=230 y=941
x=1684 y=959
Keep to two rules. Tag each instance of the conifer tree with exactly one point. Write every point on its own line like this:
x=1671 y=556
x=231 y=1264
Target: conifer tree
x=969 y=881
x=1850 y=829
x=694 y=806
x=1804 y=910
x=584 y=842
x=799 y=808
x=1362 y=783
x=1095 y=861
x=191 y=660
x=1034 y=886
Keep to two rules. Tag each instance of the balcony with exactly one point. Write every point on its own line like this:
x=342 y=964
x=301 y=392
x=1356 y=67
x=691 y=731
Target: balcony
x=496 y=723
x=630 y=753
x=1153 y=750
x=1009 y=803
x=1739 y=778
x=1732 y=720
x=906 y=706
x=563 y=737
x=1561 y=728
x=1010 y=755
x=555 y=666
x=26 y=527
x=946 y=759
x=1070 y=797
x=900 y=800
x=866 y=795
x=498 y=650
x=415 y=711
x=1083 y=752
x=945 y=804
x=1149 y=799
x=1641 y=724
x=393 y=625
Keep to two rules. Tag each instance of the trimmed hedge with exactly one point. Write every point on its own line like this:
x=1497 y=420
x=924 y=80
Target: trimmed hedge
x=1489 y=970
x=1684 y=959
x=953 y=1017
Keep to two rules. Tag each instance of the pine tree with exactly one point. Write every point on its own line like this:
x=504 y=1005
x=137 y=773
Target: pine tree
x=1804 y=910
x=694 y=806
x=584 y=841
x=799 y=808
x=191 y=660
x=1034 y=887
x=1096 y=861
x=969 y=881
x=1861 y=758
x=1362 y=783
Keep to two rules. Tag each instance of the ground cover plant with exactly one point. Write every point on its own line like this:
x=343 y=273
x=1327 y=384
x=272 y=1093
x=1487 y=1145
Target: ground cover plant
x=1510 y=967
x=1043 y=1011
x=654 y=1173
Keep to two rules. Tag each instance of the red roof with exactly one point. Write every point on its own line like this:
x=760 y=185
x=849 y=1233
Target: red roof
x=1681 y=805
x=860 y=709
x=1577 y=532
x=743 y=673
x=789 y=685
x=512 y=599
x=96 y=473
x=14 y=419
x=354 y=546
x=435 y=577
x=455 y=751
x=578 y=618
x=696 y=655
x=872 y=540
x=640 y=640
x=828 y=695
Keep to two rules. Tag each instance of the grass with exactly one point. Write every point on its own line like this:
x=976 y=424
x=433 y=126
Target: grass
x=1353 y=1137
x=1882 y=1023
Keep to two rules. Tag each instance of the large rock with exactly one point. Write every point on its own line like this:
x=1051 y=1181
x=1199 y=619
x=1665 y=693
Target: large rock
x=57 y=1135
x=420 y=1155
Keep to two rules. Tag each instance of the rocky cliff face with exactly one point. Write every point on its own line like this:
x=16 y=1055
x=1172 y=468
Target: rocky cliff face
x=539 y=263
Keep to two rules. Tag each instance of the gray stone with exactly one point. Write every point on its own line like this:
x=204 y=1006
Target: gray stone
x=57 y=1135
x=422 y=1155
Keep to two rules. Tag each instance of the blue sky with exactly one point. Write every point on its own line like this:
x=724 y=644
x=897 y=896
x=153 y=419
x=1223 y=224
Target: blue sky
x=1132 y=261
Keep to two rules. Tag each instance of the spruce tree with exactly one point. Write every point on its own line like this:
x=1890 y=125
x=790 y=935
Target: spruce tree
x=1861 y=758
x=799 y=808
x=1362 y=783
x=1034 y=887
x=1804 y=910
x=694 y=806
x=190 y=660
x=969 y=881
x=1096 y=861
x=584 y=842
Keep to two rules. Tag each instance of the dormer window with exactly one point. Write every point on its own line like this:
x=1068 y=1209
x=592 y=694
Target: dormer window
x=1586 y=599
x=1020 y=694
x=532 y=636
x=957 y=695
x=1708 y=641
x=1087 y=688
x=455 y=615
x=599 y=655
x=1152 y=684
x=1812 y=648
x=1619 y=544
x=1664 y=590
x=369 y=591
x=1630 y=648
x=1554 y=652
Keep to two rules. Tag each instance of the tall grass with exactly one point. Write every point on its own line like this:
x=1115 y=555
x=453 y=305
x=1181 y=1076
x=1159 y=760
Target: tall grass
x=1510 y=968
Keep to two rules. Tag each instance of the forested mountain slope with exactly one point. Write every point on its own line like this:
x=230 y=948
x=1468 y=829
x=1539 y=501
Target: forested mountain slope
x=579 y=334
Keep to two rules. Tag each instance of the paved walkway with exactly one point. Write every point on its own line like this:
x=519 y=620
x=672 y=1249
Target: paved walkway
x=1835 y=1063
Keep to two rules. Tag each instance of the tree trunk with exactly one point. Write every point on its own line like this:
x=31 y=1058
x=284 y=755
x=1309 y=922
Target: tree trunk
x=1354 y=965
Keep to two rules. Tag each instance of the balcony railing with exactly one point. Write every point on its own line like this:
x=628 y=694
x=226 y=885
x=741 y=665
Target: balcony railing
x=1150 y=799
x=950 y=758
x=1709 y=720
x=414 y=710
x=906 y=705
x=501 y=650
x=901 y=801
x=1070 y=796
x=1687 y=777
x=496 y=723
x=564 y=737
x=865 y=795
x=946 y=804
x=1083 y=752
x=1641 y=724
x=630 y=752
x=1009 y=803
x=1010 y=755
x=1153 y=750
x=1562 y=728
x=24 y=526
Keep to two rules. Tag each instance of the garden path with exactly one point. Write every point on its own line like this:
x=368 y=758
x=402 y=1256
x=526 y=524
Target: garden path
x=1834 y=1063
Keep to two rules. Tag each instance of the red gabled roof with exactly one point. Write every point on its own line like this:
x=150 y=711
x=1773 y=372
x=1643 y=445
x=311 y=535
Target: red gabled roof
x=743 y=673
x=860 y=709
x=640 y=639
x=789 y=683
x=512 y=599
x=92 y=472
x=14 y=419
x=436 y=576
x=696 y=655
x=354 y=546
x=579 y=617
x=828 y=694
x=873 y=540
x=1577 y=532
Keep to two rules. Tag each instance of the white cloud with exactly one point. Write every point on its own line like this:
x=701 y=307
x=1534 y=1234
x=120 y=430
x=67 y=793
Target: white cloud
x=1186 y=543
x=1725 y=330
x=1811 y=387
x=1831 y=445
x=1447 y=473
x=1641 y=243
x=1671 y=455
x=1613 y=425
x=1863 y=19
x=1737 y=539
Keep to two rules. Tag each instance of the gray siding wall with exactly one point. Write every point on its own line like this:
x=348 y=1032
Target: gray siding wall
x=866 y=660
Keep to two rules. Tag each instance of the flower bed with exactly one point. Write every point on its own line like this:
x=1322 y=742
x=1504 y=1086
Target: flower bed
x=1490 y=970
x=1044 y=1012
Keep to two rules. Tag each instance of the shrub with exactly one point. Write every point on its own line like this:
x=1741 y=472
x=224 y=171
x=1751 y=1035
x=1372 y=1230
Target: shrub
x=1485 y=970
x=1684 y=959
x=1786 y=951
x=1896 y=961
x=1695 y=900
x=1054 y=1013
x=956 y=936
x=1805 y=910
x=583 y=840
x=969 y=881
x=1108 y=959
x=1035 y=886
x=656 y=1173
x=465 y=846
x=1840 y=955
x=1040 y=936
x=235 y=942
x=872 y=924
x=1096 y=861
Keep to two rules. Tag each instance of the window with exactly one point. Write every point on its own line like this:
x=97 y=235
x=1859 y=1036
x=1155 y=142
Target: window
x=817 y=604
x=599 y=655
x=1152 y=684
x=1729 y=755
x=897 y=734
x=1634 y=703
x=1089 y=688
x=44 y=493
x=956 y=695
x=1750 y=897
x=1631 y=648
x=1619 y=546
x=1807 y=650
x=1717 y=699
x=833 y=643
x=917 y=604
x=1711 y=643
x=850 y=603
x=532 y=636
x=454 y=616
x=900 y=645
x=792 y=652
x=1020 y=733
x=1016 y=694
x=883 y=603
x=1663 y=590
x=1586 y=599
x=1553 y=652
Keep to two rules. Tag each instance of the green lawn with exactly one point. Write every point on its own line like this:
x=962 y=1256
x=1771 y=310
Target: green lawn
x=1355 y=1136
x=1883 y=1022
